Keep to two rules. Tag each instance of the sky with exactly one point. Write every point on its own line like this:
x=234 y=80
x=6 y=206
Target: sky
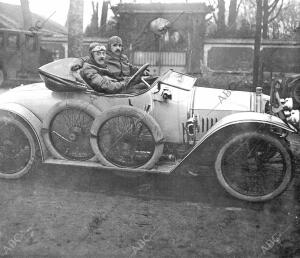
x=60 y=7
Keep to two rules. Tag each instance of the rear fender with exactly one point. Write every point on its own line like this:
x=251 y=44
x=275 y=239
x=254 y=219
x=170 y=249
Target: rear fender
x=228 y=125
x=32 y=121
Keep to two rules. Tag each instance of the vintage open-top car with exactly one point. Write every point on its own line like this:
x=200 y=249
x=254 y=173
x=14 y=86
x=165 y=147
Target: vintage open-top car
x=167 y=126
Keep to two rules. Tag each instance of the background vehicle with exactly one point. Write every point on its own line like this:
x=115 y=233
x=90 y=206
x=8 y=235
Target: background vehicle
x=19 y=56
x=172 y=125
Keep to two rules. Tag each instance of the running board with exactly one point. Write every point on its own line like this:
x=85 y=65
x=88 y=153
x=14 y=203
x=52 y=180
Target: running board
x=163 y=169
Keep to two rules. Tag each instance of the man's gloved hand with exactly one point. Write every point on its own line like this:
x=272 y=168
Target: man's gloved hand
x=125 y=81
x=110 y=79
x=294 y=117
x=288 y=104
x=77 y=65
x=146 y=72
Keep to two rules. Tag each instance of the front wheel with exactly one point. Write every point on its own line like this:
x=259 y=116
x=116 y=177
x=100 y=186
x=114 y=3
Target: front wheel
x=254 y=166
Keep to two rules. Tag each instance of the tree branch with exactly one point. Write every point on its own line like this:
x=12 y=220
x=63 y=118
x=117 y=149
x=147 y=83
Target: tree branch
x=272 y=4
x=238 y=7
x=272 y=7
x=253 y=3
x=214 y=15
x=276 y=15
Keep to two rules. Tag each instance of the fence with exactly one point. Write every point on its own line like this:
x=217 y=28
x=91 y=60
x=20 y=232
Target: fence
x=161 y=61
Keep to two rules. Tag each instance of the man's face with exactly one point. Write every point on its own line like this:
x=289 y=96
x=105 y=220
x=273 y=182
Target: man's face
x=99 y=57
x=116 y=48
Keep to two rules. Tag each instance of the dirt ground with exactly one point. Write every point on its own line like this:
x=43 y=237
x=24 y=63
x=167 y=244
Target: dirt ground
x=75 y=212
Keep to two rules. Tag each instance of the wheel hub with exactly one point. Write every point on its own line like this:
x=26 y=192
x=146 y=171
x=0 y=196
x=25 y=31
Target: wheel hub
x=75 y=132
x=9 y=148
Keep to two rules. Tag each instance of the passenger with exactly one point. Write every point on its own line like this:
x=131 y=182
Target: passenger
x=94 y=72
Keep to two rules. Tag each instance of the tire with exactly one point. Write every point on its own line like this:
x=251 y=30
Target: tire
x=18 y=150
x=127 y=137
x=66 y=130
x=253 y=149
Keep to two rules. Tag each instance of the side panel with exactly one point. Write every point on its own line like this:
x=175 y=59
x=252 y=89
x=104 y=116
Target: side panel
x=106 y=102
x=39 y=100
x=171 y=113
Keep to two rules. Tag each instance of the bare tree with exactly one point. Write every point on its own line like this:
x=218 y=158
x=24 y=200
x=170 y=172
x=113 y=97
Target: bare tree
x=104 y=15
x=92 y=28
x=233 y=11
x=27 y=19
x=256 y=60
x=271 y=10
x=283 y=26
x=221 y=17
x=75 y=28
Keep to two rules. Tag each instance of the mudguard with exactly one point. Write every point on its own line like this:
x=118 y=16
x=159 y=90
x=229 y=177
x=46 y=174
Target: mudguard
x=239 y=118
x=246 y=117
x=31 y=119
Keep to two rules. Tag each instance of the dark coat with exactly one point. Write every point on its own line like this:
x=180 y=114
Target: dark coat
x=119 y=66
x=95 y=77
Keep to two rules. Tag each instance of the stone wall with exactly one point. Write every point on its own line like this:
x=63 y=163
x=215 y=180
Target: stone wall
x=228 y=63
x=236 y=55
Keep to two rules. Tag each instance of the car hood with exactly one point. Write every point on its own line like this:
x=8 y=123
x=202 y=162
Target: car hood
x=220 y=99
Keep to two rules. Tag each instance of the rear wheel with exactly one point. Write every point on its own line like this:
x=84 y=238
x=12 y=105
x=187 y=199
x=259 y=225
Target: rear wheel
x=17 y=148
x=67 y=130
x=254 y=166
x=127 y=137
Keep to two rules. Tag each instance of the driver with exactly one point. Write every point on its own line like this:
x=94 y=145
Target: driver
x=95 y=69
x=118 y=62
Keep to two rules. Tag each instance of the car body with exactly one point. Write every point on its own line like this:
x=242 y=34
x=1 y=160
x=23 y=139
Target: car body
x=157 y=130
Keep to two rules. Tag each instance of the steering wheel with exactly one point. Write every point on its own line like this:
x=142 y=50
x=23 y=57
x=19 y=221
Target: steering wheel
x=138 y=73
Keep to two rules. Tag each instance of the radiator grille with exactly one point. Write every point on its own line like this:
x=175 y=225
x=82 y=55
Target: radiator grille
x=207 y=123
